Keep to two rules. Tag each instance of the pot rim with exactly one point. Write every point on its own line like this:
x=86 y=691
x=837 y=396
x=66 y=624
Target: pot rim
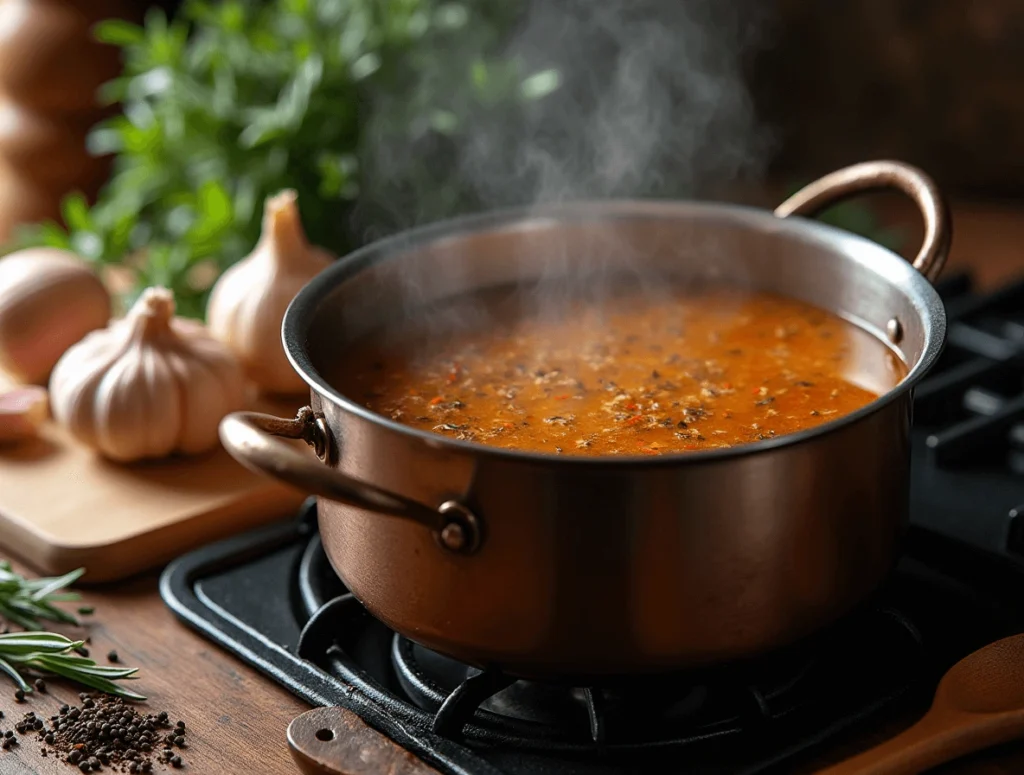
x=872 y=256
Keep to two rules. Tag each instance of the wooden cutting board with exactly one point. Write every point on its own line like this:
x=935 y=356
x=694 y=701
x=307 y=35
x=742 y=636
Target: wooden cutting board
x=63 y=507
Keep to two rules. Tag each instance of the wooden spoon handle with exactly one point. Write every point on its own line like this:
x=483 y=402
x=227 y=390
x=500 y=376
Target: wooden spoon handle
x=937 y=738
x=335 y=741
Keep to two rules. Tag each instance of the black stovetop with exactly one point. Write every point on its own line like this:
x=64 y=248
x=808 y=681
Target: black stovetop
x=271 y=597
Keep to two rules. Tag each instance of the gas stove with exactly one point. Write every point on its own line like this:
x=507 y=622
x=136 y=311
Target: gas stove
x=271 y=597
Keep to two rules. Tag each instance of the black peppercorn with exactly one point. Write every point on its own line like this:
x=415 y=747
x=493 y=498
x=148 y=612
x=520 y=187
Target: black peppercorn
x=111 y=656
x=40 y=685
x=19 y=695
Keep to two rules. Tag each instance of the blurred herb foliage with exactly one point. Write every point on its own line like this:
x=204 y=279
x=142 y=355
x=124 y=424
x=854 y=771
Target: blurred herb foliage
x=859 y=218
x=229 y=102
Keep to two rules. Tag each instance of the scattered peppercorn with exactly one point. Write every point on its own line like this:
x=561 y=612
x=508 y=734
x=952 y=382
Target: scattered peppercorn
x=19 y=695
x=40 y=685
x=104 y=732
x=111 y=656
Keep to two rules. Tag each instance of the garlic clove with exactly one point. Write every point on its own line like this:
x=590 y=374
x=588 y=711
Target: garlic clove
x=248 y=302
x=22 y=413
x=203 y=366
x=140 y=414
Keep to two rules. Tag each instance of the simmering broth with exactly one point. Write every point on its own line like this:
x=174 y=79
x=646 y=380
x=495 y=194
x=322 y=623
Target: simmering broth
x=636 y=374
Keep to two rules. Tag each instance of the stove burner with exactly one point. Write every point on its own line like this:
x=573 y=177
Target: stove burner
x=877 y=647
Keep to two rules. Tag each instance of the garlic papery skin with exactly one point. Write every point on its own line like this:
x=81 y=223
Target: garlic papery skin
x=248 y=302
x=22 y=413
x=147 y=386
x=49 y=300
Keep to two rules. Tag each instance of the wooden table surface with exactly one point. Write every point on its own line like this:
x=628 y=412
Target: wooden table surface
x=238 y=718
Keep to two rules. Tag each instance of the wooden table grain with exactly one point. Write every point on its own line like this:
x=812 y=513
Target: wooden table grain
x=238 y=718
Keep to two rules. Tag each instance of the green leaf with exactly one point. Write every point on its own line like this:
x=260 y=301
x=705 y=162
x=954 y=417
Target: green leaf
x=52 y=585
x=82 y=666
x=12 y=615
x=444 y=121
x=452 y=16
x=6 y=667
x=75 y=674
x=365 y=66
x=541 y=84
x=118 y=32
x=75 y=210
x=29 y=643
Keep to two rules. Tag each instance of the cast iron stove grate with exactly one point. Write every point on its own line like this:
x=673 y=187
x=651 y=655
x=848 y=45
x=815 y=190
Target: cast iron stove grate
x=252 y=594
x=271 y=597
x=968 y=464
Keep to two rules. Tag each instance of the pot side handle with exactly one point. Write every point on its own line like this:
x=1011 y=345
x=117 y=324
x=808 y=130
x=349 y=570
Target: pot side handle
x=875 y=176
x=249 y=438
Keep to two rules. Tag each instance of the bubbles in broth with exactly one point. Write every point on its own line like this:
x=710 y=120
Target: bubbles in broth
x=684 y=371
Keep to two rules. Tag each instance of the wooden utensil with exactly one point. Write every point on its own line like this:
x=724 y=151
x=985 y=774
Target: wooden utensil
x=335 y=741
x=979 y=703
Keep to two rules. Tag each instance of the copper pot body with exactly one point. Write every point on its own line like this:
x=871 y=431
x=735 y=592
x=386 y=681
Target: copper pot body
x=581 y=568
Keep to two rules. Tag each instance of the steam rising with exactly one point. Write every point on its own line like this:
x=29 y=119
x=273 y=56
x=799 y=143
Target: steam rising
x=650 y=102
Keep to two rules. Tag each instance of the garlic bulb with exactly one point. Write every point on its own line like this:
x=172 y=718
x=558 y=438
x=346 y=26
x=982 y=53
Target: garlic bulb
x=248 y=302
x=22 y=412
x=49 y=299
x=148 y=385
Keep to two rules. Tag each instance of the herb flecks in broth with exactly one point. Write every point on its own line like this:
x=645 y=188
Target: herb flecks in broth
x=633 y=375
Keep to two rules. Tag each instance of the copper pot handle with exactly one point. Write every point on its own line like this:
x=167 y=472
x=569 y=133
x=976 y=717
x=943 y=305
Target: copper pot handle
x=249 y=438
x=874 y=176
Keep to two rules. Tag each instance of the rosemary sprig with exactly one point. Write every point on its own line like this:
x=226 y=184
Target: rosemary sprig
x=50 y=653
x=26 y=602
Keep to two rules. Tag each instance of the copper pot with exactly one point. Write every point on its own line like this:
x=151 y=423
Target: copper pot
x=580 y=567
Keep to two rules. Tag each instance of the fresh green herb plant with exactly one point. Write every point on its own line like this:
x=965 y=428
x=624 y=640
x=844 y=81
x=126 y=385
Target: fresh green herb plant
x=52 y=654
x=232 y=101
x=27 y=602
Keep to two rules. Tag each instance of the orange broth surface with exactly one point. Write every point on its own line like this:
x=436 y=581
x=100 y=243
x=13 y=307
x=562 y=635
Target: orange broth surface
x=680 y=372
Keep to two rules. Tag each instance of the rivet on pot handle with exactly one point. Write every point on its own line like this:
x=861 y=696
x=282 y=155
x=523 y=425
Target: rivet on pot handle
x=249 y=438
x=874 y=176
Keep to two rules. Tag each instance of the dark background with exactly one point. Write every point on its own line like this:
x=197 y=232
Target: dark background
x=937 y=84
